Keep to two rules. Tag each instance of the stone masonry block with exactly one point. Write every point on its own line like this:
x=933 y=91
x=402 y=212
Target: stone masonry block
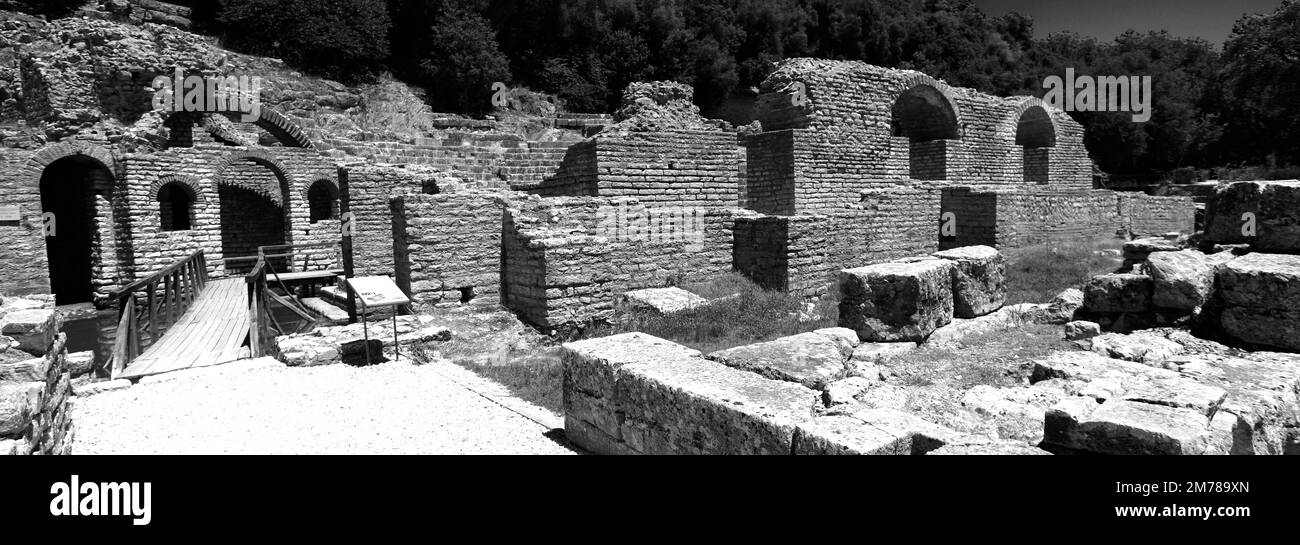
x=979 y=280
x=897 y=301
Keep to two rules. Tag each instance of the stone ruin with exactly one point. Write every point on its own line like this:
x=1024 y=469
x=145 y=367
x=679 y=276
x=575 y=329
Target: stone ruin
x=849 y=166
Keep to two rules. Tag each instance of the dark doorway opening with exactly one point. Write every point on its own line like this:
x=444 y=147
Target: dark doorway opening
x=249 y=219
x=66 y=193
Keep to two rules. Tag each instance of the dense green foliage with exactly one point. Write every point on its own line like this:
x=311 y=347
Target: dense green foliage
x=344 y=39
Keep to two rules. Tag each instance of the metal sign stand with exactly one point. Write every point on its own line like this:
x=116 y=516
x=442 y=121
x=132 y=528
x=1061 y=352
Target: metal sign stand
x=377 y=292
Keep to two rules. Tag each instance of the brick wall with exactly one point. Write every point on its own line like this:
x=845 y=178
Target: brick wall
x=802 y=254
x=506 y=159
x=448 y=247
x=1150 y=216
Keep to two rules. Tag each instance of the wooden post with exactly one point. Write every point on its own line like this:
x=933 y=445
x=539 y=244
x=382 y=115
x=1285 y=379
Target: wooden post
x=345 y=210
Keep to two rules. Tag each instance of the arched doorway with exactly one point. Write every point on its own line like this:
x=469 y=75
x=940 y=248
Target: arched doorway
x=927 y=119
x=68 y=199
x=254 y=210
x=1036 y=135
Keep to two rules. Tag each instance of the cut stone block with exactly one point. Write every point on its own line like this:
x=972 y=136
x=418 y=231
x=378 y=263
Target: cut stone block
x=976 y=446
x=1223 y=213
x=1127 y=427
x=811 y=359
x=1181 y=280
x=871 y=431
x=881 y=352
x=1118 y=293
x=81 y=363
x=660 y=301
x=1079 y=330
x=1009 y=413
x=1279 y=217
x=897 y=301
x=695 y=406
x=31 y=369
x=34 y=329
x=979 y=280
x=1261 y=294
x=19 y=403
x=1140 y=249
x=1148 y=348
x=845 y=338
x=1061 y=308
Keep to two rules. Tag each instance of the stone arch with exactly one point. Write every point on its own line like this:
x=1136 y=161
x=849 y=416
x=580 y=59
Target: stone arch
x=262 y=157
x=323 y=200
x=925 y=109
x=75 y=149
x=193 y=184
x=276 y=124
x=1035 y=133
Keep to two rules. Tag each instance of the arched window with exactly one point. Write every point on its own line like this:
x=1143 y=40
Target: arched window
x=926 y=118
x=176 y=207
x=1036 y=135
x=323 y=199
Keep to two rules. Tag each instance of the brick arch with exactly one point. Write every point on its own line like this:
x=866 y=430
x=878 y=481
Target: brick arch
x=277 y=124
x=261 y=157
x=1041 y=124
x=189 y=182
x=919 y=99
x=334 y=192
x=35 y=166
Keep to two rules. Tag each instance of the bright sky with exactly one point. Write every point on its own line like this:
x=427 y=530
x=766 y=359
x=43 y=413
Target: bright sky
x=1105 y=19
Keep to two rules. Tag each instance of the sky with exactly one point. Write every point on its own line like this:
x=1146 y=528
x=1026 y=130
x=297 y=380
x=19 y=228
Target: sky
x=1105 y=19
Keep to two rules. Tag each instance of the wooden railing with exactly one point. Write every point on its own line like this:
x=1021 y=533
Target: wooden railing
x=289 y=257
x=151 y=305
x=262 y=326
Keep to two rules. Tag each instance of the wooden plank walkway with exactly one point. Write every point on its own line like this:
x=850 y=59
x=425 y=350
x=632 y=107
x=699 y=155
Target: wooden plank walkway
x=212 y=331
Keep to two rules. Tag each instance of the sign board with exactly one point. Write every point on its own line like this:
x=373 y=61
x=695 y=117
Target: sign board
x=377 y=291
x=11 y=213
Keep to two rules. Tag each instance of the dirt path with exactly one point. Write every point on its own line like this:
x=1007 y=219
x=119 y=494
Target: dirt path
x=262 y=407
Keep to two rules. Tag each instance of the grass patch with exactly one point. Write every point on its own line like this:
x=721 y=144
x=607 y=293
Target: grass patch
x=740 y=313
x=1036 y=274
x=538 y=383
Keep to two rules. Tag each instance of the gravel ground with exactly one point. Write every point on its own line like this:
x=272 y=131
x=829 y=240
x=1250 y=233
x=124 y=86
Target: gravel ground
x=263 y=407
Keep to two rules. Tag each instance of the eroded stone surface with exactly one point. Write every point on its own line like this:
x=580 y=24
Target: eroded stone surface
x=1181 y=280
x=1118 y=293
x=660 y=300
x=1261 y=294
x=979 y=280
x=1127 y=427
x=1079 y=330
x=1061 y=308
x=1149 y=348
x=33 y=329
x=811 y=359
x=871 y=431
x=897 y=301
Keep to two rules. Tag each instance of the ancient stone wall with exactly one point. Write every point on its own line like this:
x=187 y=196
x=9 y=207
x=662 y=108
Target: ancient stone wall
x=35 y=384
x=1150 y=215
x=676 y=168
x=448 y=247
x=802 y=254
x=857 y=126
x=369 y=195
x=504 y=159
x=566 y=258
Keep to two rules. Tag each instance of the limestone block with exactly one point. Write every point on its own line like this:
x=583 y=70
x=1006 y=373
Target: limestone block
x=811 y=359
x=897 y=301
x=1261 y=294
x=1009 y=413
x=34 y=329
x=1126 y=427
x=979 y=280
x=980 y=446
x=1079 y=329
x=19 y=402
x=871 y=431
x=881 y=352
x=660 y=301
x=1279 y=218
x=1118 y=293
x=695 y=406
x=80 y=363
x=31 y=369
x=1062 y=307
x=1223 y=213
x=1140 y=249
x=1148 y=348
x=1181 y=280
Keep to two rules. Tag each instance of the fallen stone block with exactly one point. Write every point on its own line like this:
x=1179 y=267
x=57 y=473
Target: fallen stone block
x=695 y=406
x=1061 y=308
x=1126 y=427
x=881 y=352
x=845 y=338
x=101 y=387
x=660 y=301
x=980 y=447
x=34 y=329
x=1079 y=330
x=979 y=280
x=1140 y=249
x=959 y=329
x=306 y=351
x=1224 y=212
x=873 y=394
x=1148 y=348
x=1263 y=397
x=1009 y=413
x=1118 y=293
x=1181 y=280
x=29 y=370
x=846 y=390
x=1279 y=217
x=871 y=431
x=81 y=363
x=811 y=359
x=1261 y=295
x=897 y=301
x=19 y=403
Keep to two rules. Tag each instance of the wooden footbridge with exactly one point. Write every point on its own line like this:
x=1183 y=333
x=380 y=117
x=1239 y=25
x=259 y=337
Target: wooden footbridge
x=180 y=317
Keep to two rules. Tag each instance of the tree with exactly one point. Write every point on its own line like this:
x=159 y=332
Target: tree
x=461 y=60
x=1261 y=81
x=344 y=39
